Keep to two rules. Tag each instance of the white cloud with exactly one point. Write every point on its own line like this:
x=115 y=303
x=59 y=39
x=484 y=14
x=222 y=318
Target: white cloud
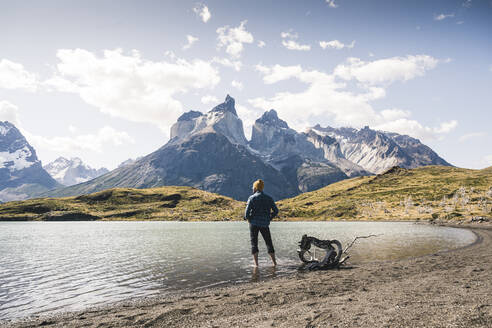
x=289 y=35
x=15 y=76
x=441 y=17
x=331 y=3
x=329 y=102
x=278 y=73
x=203 y=12
x=472 y=135
x=130 y=87
x=385 y=70
x=73 y=146
x=415 y=129
x=335 y=44
x=261 y=44
x=459 y=22
x=209 y=99
x=238 y=85
x=234 y=38
x=235 y=64
x=190 y=40
x=293 y=45
x=490 y=68
x=9 y=112
x=59 y=83
x=467 y=3
x=289 y=41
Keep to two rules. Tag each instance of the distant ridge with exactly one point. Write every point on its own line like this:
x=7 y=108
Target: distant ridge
x=209 y=151
x=72 y=171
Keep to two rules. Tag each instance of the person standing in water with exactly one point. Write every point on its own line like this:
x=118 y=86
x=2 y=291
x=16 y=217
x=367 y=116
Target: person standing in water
x=260 y=210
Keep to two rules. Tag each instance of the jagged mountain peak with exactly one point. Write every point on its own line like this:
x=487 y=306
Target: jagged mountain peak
x=73 y=161
x=221 y=119
x=15 y=152
x=227 y=106
x=72 y=171
x=189 y=116
x=21 y=174
x=5 y=127
x=271 y=118
x=376 y=150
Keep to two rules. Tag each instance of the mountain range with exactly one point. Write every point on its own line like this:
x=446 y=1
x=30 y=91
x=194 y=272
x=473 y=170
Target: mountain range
x=72 y=171
x=209 y=151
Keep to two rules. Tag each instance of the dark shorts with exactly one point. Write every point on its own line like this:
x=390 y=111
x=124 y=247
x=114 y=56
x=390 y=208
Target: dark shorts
x=265 y=232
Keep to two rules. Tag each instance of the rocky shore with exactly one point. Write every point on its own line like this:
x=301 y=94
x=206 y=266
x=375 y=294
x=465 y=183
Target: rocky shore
x=448 y=289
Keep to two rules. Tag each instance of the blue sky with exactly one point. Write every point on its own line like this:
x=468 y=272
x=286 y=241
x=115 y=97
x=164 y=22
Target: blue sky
x=105 y=80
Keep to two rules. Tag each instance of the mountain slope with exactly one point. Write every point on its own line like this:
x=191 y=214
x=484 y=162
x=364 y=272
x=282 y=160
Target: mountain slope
x=21 y=173
x=292 y=153
x=400 y=194
x=206 y=151
x=375 y=151
x=209 y=151
x=72 y=171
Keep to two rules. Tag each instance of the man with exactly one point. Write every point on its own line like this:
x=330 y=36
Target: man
x=260 y=210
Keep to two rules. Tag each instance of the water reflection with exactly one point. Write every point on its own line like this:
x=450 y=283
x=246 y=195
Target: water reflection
x=47 y=266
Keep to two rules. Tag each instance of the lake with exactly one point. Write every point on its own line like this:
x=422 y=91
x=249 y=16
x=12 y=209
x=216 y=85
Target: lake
x=63 y=266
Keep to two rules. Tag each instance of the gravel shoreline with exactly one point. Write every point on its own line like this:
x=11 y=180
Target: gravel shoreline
x=447 y=289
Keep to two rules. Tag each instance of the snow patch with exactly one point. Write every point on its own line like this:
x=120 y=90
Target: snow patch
x=17 y=160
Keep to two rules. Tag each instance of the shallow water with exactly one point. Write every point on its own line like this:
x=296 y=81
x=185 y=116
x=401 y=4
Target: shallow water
x=65 y=266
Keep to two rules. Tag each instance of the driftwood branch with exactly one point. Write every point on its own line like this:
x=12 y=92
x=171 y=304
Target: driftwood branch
x=358 y=237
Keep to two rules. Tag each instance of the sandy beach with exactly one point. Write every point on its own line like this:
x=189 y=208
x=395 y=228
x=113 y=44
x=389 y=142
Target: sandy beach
x=448 y=289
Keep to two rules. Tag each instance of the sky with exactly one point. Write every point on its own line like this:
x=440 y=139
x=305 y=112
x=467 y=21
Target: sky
x=105 y=80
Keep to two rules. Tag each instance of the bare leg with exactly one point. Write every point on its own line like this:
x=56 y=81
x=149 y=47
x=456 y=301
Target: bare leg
x=255 y=258
x=272 y=256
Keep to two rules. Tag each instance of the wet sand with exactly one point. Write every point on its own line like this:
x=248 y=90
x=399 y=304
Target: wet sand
x=447 y=289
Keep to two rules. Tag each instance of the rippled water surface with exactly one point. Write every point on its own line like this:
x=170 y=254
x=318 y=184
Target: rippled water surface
x=53 y=266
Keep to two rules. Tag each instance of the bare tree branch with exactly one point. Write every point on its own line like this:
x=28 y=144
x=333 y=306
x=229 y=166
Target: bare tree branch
x=359 y=237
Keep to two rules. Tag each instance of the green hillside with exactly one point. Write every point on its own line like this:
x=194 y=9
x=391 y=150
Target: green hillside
x=164 y=203
x=399 y=194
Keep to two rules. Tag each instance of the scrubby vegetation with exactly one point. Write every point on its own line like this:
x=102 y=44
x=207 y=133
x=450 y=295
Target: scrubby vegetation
x=165 y=203
x=431 y=192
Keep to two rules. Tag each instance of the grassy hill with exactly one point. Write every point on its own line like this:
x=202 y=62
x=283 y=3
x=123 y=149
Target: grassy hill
x=431 y=192
x=164 y=203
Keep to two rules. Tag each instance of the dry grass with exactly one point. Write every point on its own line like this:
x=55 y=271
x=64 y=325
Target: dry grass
x=432 y=192
x=429 y=192
x=165 y=203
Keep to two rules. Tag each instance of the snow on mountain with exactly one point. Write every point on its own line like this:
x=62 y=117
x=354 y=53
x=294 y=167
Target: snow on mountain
x=374 y=151
x=72 y=171
x=333 y=153
x=209 y=151
x=21 y=173
x=292 y=153
x=221 y=119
